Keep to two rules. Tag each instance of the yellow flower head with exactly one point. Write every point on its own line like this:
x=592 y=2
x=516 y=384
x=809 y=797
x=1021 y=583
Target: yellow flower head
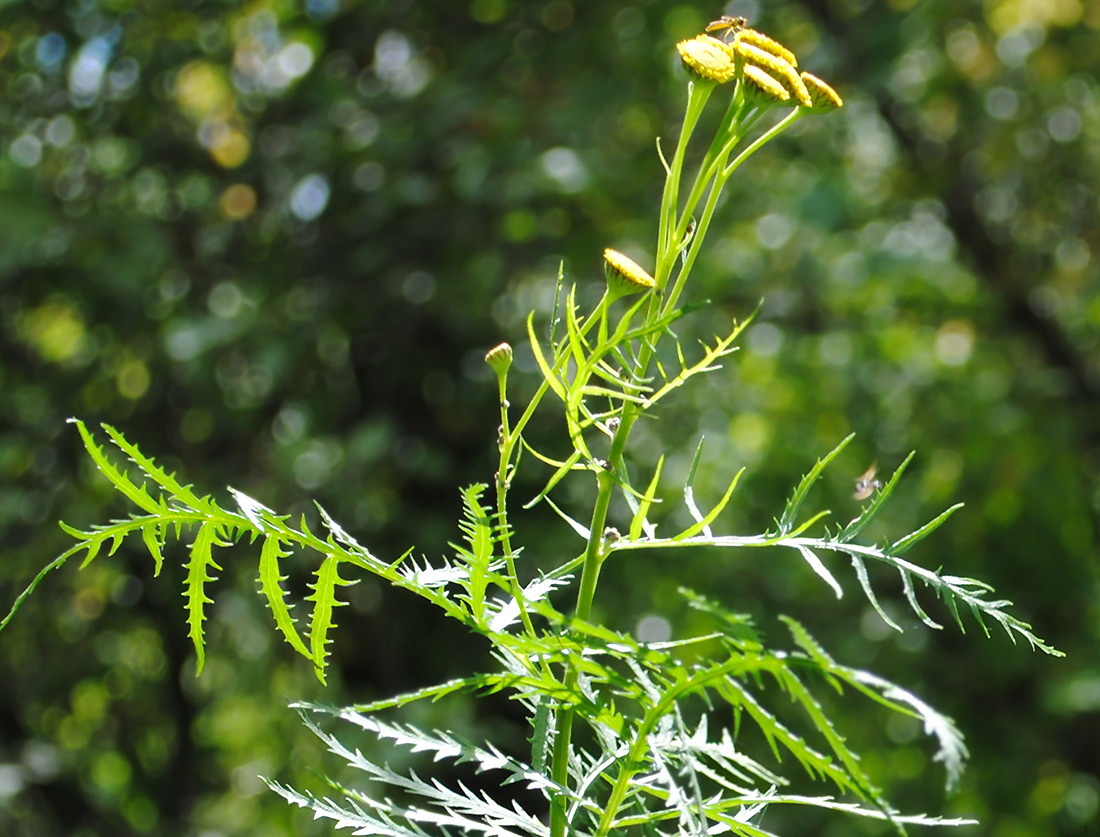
x=707 y=58
x=763 y=89
x=624 y=275
x=762 y=41
x=778 y=68
x=822 y=95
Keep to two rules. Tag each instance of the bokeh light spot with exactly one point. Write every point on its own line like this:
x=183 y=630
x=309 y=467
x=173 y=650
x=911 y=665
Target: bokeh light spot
x=111 y=772
x=488 y=11
x=653 y=628
x=295 y=60
x=557 y=15
x=773 y=231
x=201 y=89
x=196 y=425
x=750 y=434
x=309 y=197
x=26 y=150
x=133 y=380
x=954 y=342
x=564 y=167
x=54 y=330
x=50 y=50
x=229 y=146
x=237 y=202
x=225 y=300
x=418 y=287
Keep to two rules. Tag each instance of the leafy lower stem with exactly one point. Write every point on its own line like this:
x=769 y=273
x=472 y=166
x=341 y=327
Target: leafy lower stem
x=590 y=573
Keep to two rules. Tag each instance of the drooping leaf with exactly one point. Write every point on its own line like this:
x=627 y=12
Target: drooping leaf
x=270 y=583
x=324 y=604
x=153 y=536
x=198 y=575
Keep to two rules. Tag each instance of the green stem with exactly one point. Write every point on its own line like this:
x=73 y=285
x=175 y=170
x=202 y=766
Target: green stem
x=767 y=136
x=709 y=166
x=503 y=481
x=590 y=574
x=627 y=771
x=671 y=229
x=698 y=93
x=724 y=172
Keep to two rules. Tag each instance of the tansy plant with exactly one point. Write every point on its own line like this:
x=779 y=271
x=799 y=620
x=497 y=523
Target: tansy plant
x=625 y=736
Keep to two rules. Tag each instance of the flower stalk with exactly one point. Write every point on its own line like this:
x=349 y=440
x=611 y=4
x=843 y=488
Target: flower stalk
x=759 y=74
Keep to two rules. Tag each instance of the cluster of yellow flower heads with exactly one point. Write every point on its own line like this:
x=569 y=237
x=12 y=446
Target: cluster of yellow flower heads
x=766 y=68
x=767 y=71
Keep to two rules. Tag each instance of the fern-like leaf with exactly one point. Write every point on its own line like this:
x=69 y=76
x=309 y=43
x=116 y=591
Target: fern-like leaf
x=198 y=574
x=180 y=493
x=440 y=808
x=153 y=536
x=324 y=604
x=794 y=504
x=136 y=494
x=270 y=583
x=477 y=528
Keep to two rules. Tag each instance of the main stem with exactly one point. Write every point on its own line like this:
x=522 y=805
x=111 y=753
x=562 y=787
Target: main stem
x=593 y=557
x=605 y=480
x=670 y=228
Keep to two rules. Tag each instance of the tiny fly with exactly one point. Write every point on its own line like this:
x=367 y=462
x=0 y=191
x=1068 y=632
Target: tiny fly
x=866 y=484
x=729 y=26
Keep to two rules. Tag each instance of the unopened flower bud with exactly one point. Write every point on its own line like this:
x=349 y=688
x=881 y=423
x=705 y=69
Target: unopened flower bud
x=499 y=359
x=624 y=275
x=821 y=94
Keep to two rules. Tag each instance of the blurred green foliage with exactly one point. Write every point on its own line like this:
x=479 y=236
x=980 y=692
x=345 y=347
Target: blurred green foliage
x=272 y=241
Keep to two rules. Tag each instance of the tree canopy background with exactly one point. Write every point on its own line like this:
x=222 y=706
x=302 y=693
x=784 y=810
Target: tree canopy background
x=271 y=243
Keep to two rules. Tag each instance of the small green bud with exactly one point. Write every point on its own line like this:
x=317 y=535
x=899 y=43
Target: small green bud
x=499 y=359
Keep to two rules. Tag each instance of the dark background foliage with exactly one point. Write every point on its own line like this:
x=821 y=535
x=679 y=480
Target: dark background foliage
x=271 y=242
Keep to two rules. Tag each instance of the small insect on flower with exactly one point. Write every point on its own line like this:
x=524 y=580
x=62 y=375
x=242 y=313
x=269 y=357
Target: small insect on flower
x=727 y=25
x=867 y=484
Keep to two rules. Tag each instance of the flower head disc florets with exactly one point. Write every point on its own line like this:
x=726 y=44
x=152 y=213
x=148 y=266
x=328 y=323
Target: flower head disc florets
x=778 y=68
x=707 y=59
x=822 y=95
x=763 y=89
x=762 y=41
x=624 y=275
